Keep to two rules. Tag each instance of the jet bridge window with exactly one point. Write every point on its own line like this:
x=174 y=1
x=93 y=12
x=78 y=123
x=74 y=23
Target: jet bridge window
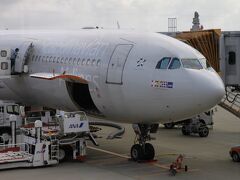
x=232 y=58
x=163 y=63
x=175 y=64
x=191 y=64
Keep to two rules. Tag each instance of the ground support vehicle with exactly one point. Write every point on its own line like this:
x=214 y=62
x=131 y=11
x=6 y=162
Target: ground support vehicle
x=195 y=127
x=204 y=118
x=235 y=153
x=47 y=144
x=34 y=152
x=7 y=109
x=71 y=130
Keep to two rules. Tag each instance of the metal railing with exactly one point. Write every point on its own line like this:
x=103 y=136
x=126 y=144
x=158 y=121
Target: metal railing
x=231 y=101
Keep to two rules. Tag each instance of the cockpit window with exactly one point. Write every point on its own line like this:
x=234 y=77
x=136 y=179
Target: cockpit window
x=204 y=63
x=163 y=63
x=175 y=64
x=191 y=64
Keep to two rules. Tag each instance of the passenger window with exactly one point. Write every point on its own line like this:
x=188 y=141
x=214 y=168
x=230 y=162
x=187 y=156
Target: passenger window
x=66 y=61
x=175 y=64
x=62 y=60
x=36 y=58
x=70 y=61
x=88 y=62
x=99 y=62
x=54 y=59
x=33 y=57
x=191 y=64
x=58 y=60
x=74 y=61
x=83 y=62
x=163 y=63
x=79 y=60
x=93 y=62
x=232 y=58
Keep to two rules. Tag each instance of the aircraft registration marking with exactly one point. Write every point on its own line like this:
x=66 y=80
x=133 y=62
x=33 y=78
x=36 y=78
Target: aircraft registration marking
x=162 y=84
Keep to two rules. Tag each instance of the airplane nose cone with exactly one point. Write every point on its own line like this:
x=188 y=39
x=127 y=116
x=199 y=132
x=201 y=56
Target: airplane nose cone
x=209 y=89
x=215 y=90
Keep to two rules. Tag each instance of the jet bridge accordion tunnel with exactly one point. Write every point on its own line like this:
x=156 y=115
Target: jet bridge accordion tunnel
x=206 y=42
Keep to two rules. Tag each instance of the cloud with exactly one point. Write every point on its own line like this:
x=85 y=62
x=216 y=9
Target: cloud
x=149 y=15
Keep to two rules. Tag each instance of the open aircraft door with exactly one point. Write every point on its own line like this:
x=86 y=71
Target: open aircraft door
x=5 y=62
x=117 y=63
x=24 y=53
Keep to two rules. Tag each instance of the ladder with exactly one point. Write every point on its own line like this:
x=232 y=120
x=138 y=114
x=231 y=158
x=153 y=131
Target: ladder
x=54 y=150
x=231 y=102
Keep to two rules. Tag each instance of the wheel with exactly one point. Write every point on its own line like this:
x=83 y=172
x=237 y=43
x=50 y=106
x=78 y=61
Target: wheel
x=137 y=152
x=149 y=152
x=173 y=172
x=235 y=157
x=6 y=136
x=203 y=131
x=65 y=153
x=169 y=125
x=184 y=131
x=61 y=155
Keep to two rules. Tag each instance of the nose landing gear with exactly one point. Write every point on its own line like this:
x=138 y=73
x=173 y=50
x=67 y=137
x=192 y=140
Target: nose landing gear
x=142 y=150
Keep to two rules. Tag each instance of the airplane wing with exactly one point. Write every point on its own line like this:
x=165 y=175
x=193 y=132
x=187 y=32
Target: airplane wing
x=54 y=76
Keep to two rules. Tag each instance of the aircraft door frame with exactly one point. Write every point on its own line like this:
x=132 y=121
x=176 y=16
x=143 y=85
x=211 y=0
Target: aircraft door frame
x=1 y=115
x=117 y=63
x=22 y=56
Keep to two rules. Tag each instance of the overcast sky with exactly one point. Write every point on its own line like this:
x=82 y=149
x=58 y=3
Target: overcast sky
x=149 y=15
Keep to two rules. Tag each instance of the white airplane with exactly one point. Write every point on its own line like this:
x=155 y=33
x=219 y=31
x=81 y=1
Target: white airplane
x=128 y=77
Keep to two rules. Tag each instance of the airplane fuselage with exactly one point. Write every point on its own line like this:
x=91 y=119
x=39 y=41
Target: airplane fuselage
x=124 y=84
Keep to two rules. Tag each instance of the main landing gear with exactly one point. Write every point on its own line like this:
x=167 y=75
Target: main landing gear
x=141 y=150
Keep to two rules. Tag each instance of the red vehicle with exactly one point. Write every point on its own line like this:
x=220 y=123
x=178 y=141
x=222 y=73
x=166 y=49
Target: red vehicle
x=235 y=153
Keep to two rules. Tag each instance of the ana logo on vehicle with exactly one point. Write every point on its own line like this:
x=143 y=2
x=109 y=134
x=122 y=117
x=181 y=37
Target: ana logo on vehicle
x=74 y=126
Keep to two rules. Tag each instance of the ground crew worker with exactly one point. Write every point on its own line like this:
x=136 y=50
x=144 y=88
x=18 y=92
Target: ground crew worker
x=13 y=59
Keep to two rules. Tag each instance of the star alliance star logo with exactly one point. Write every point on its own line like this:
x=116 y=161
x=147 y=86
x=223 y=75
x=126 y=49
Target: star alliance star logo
x=141 y=62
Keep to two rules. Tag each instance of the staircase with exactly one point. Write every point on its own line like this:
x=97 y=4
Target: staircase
x=231 y=102
x=54 y=151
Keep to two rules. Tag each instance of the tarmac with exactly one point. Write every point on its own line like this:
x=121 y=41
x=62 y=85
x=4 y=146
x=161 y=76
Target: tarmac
x=206 y=158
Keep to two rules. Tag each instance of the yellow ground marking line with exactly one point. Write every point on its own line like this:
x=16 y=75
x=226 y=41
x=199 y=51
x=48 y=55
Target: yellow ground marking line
x=108 y=152
x=163 y=166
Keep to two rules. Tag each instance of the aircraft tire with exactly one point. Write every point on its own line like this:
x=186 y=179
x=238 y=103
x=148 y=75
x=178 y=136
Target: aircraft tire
x=137 y=152
x=184 y=131
x=149 y=152
x=235 y=157
x=203 y=131
x=169 y=125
